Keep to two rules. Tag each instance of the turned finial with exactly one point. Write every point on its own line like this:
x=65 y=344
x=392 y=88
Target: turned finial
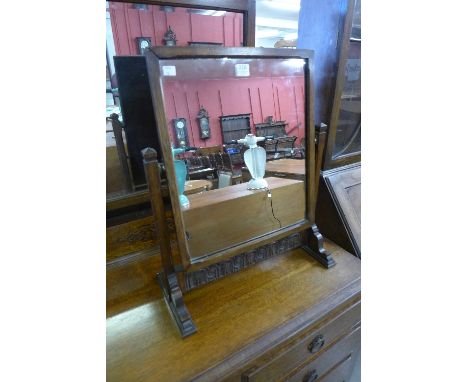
x=149 y=154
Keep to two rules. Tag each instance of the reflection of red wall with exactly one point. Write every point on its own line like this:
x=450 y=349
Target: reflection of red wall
x=129 y=23
x=281 y=97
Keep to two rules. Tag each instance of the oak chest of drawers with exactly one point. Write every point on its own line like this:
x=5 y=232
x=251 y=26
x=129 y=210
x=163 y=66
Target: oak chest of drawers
x=286 y=319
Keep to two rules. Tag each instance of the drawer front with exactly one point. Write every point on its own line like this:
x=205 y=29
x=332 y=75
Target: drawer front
x=304 y=347
x=339 y=356
x=341 y=373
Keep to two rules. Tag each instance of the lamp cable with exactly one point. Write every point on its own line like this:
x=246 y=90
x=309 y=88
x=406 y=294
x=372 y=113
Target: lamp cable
x=271 y=205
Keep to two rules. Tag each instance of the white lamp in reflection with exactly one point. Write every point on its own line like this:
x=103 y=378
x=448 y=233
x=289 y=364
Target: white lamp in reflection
x=255 y=159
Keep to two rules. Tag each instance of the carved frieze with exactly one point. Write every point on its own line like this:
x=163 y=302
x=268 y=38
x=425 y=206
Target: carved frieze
x=236 y=263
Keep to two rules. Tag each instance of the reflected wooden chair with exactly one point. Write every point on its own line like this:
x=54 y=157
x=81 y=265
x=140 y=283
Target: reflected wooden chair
x=234 y=170
x=118 y=129
x=204 y=151
x=205 y=161
x=227 y=164
x=236 y=152
x=212 y=159
x=285 y=147
x=299 y=152
x=219 y=162
x=224 y=179
x=199 y=168
x=270 y=148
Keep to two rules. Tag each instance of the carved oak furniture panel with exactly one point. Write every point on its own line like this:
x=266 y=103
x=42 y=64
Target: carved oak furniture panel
x=273 y=129
x=235 y=127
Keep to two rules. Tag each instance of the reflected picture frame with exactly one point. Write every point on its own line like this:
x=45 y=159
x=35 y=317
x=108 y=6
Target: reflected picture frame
x=307 y=225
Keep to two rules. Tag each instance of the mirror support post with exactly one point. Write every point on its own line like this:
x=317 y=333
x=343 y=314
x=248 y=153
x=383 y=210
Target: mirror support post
x=167 y=279
x=314 y=237
x=320 y=140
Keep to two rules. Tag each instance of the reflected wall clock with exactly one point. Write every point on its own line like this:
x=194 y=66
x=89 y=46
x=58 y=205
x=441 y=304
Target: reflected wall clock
x=204 y=123
x=180 y=130
x=143 y=43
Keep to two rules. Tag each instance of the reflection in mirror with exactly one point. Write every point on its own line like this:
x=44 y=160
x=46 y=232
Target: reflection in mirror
x=130 y=29
x=237 y=131
x=356 y=24
x=348 y=131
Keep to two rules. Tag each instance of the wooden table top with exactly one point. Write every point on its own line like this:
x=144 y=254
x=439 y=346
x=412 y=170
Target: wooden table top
x=143 y=343
x=196 y=186
x=286 y=166
x=125 y=199
x=232 y=192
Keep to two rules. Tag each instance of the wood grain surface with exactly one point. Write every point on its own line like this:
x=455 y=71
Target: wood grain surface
x=238 y=318
x=228 y=216
x=286 y=166
x=130 y=237
x=130 y=280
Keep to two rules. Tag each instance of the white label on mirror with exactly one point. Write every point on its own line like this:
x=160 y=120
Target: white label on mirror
x=169 y=70
x=242 y=70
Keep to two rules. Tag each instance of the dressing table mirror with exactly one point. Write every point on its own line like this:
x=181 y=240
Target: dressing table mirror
x=130 y=124
x=227 y=225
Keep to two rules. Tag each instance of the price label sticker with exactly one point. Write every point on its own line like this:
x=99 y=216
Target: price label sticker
x=242 y=70
x=169 y=70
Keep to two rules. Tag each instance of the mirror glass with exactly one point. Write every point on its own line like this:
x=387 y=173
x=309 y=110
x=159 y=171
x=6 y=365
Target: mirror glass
x=234 y=188
x=356 y=24
x=131 y=28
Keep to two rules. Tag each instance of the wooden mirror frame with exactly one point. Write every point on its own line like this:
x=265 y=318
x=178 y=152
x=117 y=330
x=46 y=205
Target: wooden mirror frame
x=183 y=261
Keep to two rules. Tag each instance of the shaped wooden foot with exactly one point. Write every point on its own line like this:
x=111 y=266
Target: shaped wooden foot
x=175 y=301
x=315 y=248
x=167 y=280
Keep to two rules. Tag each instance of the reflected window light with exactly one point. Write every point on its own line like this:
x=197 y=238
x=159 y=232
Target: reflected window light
x=295 y=62
x=167 y=8
x=265 y=33
x=206 y=12
x=290 y=36
x=288 y=5
x=141 y=7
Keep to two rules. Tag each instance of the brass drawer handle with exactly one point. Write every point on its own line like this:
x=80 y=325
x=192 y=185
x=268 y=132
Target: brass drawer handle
x=316 y=344
x=311 y=376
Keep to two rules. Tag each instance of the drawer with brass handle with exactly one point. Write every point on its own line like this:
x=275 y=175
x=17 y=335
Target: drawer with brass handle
x=341 y=372
x=333 y=365
x=303 y=348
